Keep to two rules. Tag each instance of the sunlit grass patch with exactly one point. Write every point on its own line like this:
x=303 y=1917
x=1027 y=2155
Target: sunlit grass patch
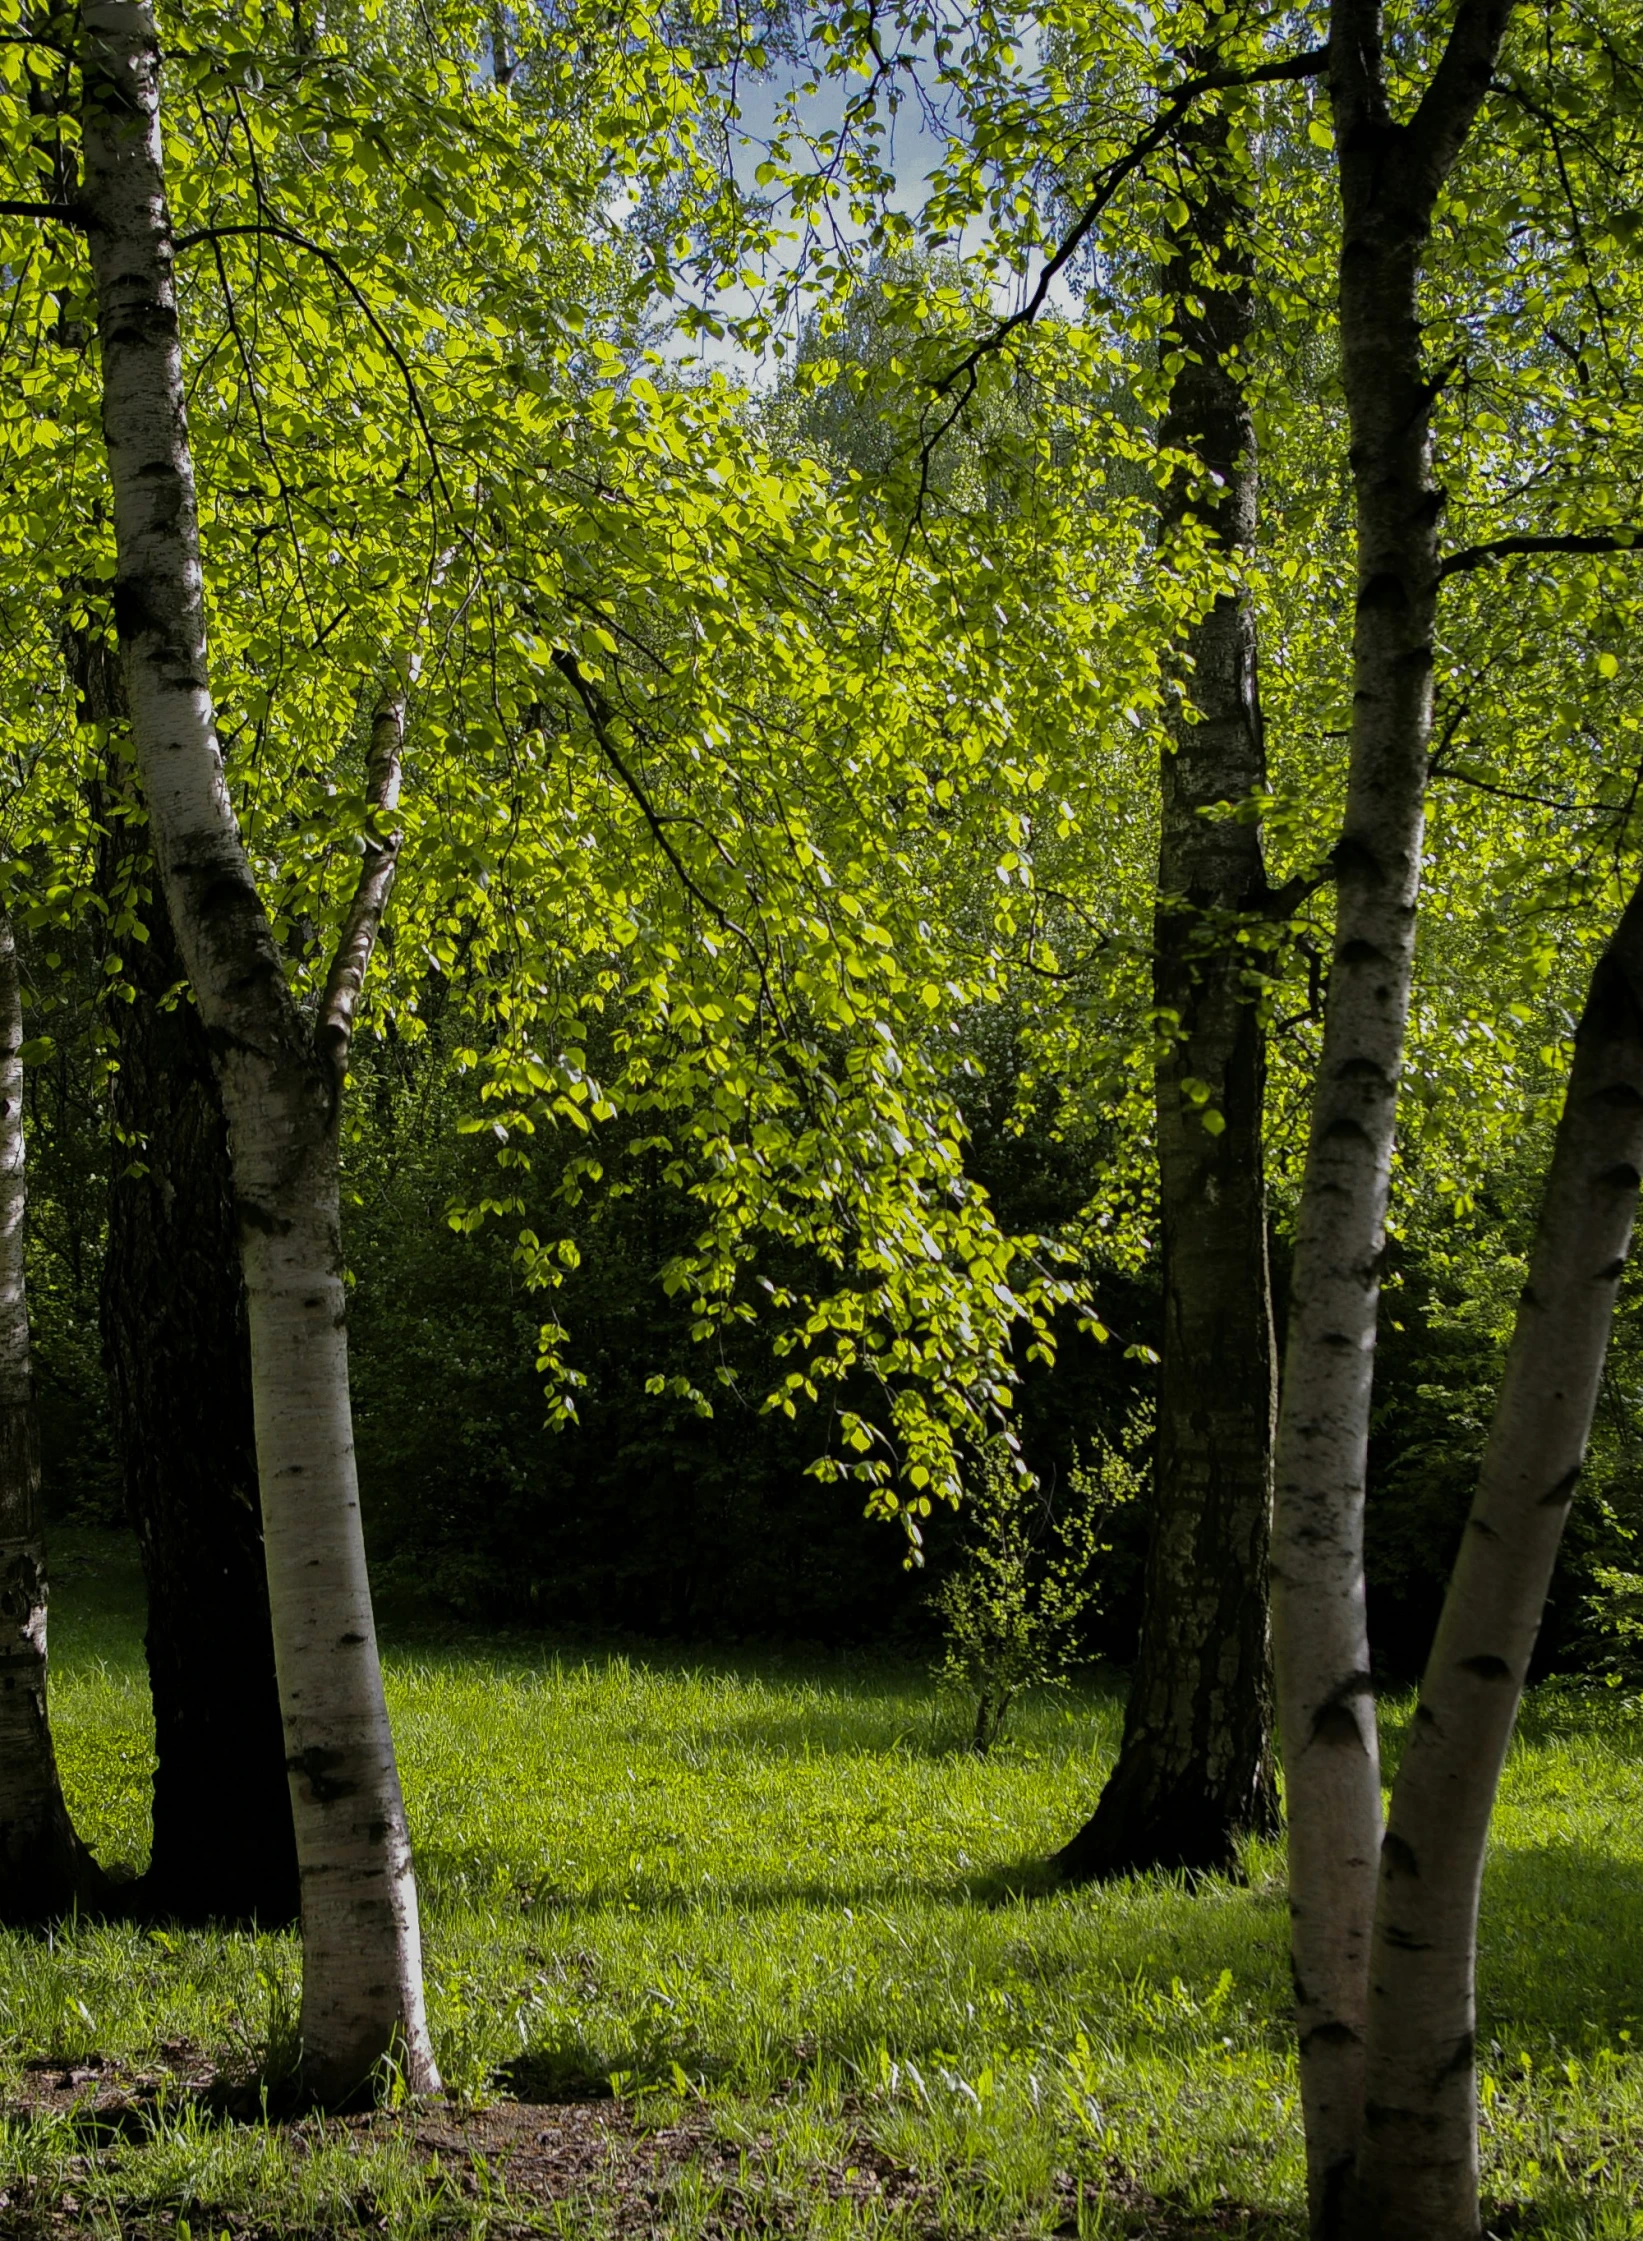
x=773 y=1916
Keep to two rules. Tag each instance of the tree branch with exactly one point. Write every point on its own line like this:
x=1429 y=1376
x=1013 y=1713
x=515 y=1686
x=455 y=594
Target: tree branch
x=64 y=213
x=384 y=761
x=1455 y=92
x=340 y=273
x=1310 y=64
x=1285 y=901
x=1505 y=548
x=598 y=711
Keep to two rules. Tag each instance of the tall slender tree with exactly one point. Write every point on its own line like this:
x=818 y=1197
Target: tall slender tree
x=1391 y=175
x=1194 y=1772
x=281 y=1076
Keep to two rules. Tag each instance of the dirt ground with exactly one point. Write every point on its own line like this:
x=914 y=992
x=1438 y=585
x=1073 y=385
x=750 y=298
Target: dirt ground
x=510 y=2165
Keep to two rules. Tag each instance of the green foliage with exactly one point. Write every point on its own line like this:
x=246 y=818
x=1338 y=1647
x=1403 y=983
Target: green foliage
x=668 y=680
x=1615 y=1612
x=1014 y=1607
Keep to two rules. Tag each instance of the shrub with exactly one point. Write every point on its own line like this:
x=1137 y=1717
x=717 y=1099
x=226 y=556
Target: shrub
x=1024 y=1581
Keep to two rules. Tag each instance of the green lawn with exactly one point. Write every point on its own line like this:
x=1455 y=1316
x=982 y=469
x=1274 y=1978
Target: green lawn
x=802 y=1935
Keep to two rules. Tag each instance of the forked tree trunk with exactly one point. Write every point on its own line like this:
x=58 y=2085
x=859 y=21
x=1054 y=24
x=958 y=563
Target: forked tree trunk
x=281 y=1081
x=44 y=1868
x=179 y=1363
x=1418 y=2164
x=1390 y=177
x=1194 y=1771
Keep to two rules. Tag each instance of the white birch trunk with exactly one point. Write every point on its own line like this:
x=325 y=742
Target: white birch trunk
x=44 y=1869
x=362 y=1987
x=1418 y=2165
x=1390 y=176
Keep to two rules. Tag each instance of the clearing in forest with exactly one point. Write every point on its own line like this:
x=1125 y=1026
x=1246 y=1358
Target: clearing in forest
x=726 y=1944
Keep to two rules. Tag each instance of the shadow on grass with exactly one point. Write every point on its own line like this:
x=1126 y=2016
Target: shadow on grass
x=1561 y=1944
x=556 y=2076
x=446 y=1878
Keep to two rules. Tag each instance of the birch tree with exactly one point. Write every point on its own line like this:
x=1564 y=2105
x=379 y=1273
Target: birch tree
x=172 y=1313
x=1384 y=1923
x=1417 y=2167
x=1391 y=174
x=282 y=1081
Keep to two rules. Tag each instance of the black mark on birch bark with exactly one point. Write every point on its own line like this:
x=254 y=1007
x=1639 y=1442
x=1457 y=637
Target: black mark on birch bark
x=1330 y=2034
x=1563 y=1491
x=315 y=1766
x=1399 y=1856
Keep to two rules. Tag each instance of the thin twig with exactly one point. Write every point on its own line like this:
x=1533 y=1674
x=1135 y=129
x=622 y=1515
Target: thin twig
x=339 y=272
x=599 y=712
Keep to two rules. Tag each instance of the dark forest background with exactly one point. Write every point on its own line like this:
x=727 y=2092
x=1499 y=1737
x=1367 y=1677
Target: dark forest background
x=645 y=1519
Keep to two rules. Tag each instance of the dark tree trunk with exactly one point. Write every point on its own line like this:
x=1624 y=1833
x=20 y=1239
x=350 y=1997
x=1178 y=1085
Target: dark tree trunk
x=179 y=1365
x=44 y=1868
x=1194 y=1772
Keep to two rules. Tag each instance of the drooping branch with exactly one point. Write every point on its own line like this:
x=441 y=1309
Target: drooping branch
x=1310 y=64
x=599 y=713
x=344 y=280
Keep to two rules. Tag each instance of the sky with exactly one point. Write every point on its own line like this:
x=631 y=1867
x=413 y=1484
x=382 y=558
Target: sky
x=914 y=145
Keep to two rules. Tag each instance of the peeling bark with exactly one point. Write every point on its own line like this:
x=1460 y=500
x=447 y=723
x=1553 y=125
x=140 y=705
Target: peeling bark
x=1390 y=177
x=1194 y=1771
x=1418 y=2164
x=362 y=1995
x=44 y=1868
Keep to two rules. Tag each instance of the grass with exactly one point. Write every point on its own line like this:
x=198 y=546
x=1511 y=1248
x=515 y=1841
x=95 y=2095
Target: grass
x=721 y=1946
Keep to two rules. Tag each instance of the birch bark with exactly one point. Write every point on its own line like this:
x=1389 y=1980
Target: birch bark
x=1418 y=2165
x=44 y=1868
x=1390 y=176
x=1194 y=1771
x=362 y=1985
